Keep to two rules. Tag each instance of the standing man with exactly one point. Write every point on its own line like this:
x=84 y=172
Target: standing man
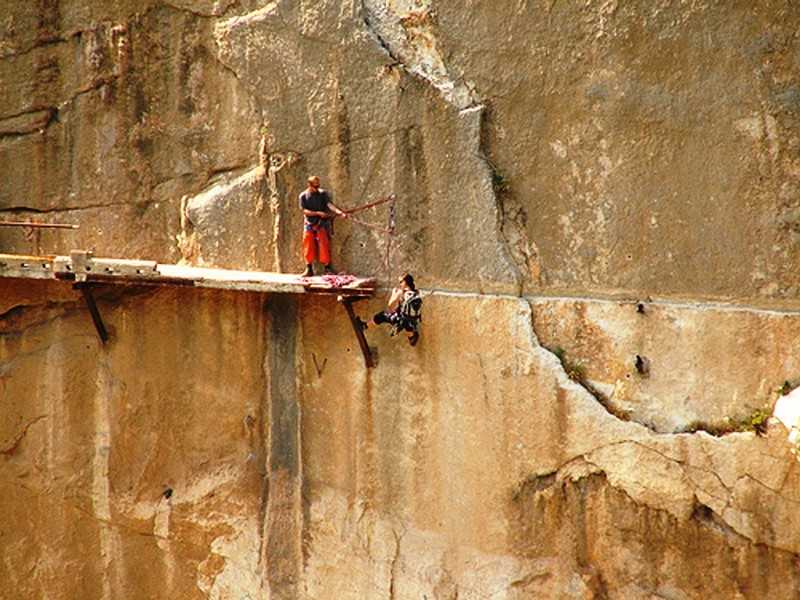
x=317 y=206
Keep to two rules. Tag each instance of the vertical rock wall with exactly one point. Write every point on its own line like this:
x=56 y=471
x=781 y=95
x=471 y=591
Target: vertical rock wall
x=465 y=473
x=136 y=469
x=111 y=113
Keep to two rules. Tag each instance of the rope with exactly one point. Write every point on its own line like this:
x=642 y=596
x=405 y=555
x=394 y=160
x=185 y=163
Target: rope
x=389 y=240
x=371 y=225
x=389 y=198
x=338 y=280
x=388 y=231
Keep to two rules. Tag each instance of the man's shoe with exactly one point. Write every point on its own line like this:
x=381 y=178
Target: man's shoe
x=413 y=338
x=309 y=272
x=362 y=323
x=329 y=270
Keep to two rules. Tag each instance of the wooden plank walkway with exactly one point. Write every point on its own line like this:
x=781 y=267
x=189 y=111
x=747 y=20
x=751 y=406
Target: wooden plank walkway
x=82 y=267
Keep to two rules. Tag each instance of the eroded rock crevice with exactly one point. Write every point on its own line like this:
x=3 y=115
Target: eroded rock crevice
x=575 y=371
x=17 y=440
x=408 y=35
x=619 y=522
x=43 y=43
x=682 y=459
x=283 y=520
x=70 y=209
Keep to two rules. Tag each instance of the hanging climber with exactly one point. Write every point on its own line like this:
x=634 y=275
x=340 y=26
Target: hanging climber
x=318 y=211
x=403 y=312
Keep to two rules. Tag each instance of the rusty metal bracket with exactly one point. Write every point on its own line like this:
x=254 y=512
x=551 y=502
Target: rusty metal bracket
x=86 y=291
x=369 y=360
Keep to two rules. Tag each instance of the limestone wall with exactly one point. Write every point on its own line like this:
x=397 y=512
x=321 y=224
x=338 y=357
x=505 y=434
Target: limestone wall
x=137 y=469
x=580 y=185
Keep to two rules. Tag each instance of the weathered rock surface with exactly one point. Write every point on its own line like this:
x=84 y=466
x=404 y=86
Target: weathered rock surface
x=146 y=455
x=706 y=363
x=111 y=112
x=556 y=164
x=480 y=476
x=514 y=479
x=653 y=145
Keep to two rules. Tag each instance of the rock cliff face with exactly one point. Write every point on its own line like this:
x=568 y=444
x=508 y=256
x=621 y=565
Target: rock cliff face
x=600 y=201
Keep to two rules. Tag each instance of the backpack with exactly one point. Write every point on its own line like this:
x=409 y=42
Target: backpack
x=411 y=307
x=408 y=314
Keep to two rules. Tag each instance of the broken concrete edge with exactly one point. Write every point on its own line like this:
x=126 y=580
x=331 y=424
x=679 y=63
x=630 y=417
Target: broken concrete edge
x=81 y=266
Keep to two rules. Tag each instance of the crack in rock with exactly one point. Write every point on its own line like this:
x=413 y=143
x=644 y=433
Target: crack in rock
x=218 y=9
x=42 y=43
x=227 y=169
x=408 y=37
x=97 y=84
x=66 y=209
x=28 y=121
x=393 y=570
x=574 y=373
x=681 y=485
x=12 y=448
x=701 y=512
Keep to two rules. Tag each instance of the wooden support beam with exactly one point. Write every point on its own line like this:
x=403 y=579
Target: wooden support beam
x=369 y=361
x=86 y=291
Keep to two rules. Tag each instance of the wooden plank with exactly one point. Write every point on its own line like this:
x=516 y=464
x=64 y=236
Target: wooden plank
x=82 y=266
x=26 y=267
x=108 y=267
x=86 y=290
x=250 y=281
x=362 y=340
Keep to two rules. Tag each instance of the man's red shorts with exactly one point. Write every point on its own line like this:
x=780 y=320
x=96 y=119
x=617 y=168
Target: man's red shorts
x=316 y=238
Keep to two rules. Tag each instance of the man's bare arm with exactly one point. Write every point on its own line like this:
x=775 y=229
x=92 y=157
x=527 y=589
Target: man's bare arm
x=394 y=299
x=337 y=210
x=315 y=213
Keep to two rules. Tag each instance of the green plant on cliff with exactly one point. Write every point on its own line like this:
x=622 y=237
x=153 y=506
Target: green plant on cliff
x=756 y=422
x=575 y=370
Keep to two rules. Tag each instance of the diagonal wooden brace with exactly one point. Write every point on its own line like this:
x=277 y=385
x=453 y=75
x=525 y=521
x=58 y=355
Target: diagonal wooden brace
x=362 y=340
x=86 y=291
